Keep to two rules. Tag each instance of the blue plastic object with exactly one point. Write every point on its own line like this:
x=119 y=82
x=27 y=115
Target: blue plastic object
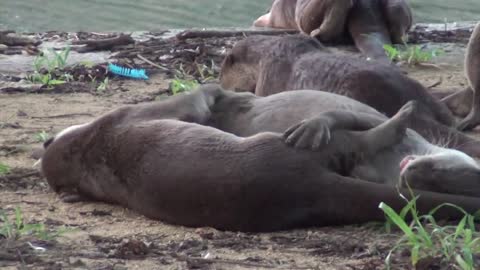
x=127 y=72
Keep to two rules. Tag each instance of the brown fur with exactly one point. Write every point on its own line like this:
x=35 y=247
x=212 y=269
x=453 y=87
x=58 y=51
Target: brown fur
x=371 y=23
x=193 y=175
x=299 y=62
x=472 y=71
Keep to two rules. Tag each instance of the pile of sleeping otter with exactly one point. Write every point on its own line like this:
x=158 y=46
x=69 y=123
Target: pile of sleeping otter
x=295 y=136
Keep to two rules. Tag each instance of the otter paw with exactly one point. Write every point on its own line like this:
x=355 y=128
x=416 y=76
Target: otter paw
x=470 y=122
x=313 y=134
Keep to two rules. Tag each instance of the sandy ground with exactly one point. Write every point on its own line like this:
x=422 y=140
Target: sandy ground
x=111 y=237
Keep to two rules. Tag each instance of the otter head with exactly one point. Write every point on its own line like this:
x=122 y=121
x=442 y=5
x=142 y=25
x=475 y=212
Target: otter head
x=448 y=171
x=240 y=68
x=60 y=163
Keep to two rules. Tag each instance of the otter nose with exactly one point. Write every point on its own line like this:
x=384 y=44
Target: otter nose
x=405 y=161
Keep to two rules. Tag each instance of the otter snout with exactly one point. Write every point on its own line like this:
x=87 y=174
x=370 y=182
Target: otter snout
x=444 y=173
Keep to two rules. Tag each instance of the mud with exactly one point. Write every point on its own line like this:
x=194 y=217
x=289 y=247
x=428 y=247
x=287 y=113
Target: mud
x=110 y=237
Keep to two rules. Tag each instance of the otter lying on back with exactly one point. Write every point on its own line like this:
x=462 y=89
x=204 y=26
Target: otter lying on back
x=195 y=175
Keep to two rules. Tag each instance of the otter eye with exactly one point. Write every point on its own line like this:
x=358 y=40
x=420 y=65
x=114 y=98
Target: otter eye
x=48 y=142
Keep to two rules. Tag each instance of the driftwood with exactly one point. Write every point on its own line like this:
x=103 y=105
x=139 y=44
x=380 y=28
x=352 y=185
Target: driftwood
x=9 y=38
x=418 y=34
x=103 y=44
x=188 y=34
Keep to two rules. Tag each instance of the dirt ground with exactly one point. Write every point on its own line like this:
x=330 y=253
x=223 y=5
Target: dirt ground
x=111 y=237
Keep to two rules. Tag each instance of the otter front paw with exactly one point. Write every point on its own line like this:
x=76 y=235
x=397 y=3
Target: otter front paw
x=313 y=133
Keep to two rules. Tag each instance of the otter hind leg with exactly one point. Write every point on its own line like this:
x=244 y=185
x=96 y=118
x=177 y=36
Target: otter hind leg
x=315 y=133
x=473 y=118
x=333 y=24
x=390 y=132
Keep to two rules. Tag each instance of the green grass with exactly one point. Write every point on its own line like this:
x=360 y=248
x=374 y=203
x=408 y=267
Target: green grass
x=17 y=227
x=455 y=245
x=185 y=81
x=4 y=169
x=178 y=85
x=46 y=63
x=410 y=54
x=42 y=136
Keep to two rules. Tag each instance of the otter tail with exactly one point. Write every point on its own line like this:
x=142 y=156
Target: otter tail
x=369 y=30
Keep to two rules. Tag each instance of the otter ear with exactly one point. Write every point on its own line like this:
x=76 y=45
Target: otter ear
x=229 y=60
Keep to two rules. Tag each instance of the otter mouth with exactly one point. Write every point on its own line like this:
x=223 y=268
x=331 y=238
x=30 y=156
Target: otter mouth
x=404 y=163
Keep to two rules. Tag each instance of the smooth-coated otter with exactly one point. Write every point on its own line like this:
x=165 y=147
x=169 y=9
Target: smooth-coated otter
x=370 y=23
x=296 y=113
x=194 y=175
x=472 y=71
x=268 y=65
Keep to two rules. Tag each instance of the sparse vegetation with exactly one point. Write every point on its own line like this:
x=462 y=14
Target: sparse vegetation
x=4 y=169
x=46 y=63
x=103 y=85
x=206 y=73
x=410 y=54
x=181 y=85
x=453 y=245
x=185 y=81
x=16 y=228
x=42 y=136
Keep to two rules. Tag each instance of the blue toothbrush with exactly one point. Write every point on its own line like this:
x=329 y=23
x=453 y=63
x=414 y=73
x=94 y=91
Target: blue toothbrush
x=127 y=72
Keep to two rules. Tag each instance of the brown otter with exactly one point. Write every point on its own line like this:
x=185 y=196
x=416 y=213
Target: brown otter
x=472 y=71
x=267 y=65
x=244 y=115
x=194 y=175
x=370 y=23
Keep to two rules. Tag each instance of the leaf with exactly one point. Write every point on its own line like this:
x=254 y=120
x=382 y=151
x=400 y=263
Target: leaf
x=398 y=221
x=55 y=82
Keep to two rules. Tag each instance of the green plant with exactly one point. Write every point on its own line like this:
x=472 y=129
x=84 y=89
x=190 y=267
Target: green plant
x=42 y=136
x=182 y=85
x=44 y=66
x=184 y=82
x=426 y=239
x=411 y=54
x=4 y=169
x=16 y=228
x=103 y=85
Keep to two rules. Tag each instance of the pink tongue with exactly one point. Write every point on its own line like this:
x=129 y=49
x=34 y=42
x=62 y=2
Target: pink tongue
x=405 y=161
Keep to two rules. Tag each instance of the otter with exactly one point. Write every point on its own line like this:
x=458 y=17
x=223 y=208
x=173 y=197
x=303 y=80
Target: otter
x=370 y=23
x=472 y=72
x=267 y=65
x=164 y=161
x=295 y=113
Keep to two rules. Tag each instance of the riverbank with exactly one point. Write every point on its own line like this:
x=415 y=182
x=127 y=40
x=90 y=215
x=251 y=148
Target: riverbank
x=111 y=237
